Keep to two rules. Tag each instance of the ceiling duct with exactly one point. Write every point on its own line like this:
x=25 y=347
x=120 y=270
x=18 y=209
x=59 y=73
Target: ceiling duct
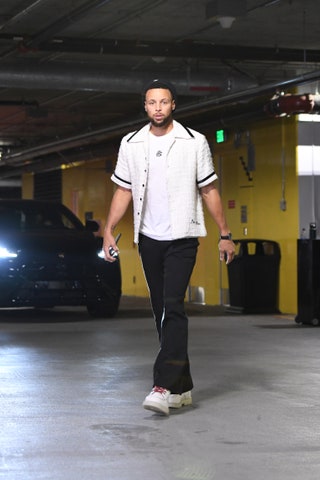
x=77 y=77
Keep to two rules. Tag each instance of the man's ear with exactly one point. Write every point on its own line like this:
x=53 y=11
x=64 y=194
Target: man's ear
x=173 y=105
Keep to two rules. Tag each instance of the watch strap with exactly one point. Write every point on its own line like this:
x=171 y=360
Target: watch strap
x=226 y=237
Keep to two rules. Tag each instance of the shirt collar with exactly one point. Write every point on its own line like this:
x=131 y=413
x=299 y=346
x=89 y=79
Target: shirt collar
x=178 y=131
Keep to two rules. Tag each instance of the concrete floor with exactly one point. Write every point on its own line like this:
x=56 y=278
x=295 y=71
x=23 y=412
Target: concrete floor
x=71 y=393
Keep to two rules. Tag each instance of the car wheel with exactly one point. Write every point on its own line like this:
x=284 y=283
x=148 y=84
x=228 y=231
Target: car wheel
x=101 y=309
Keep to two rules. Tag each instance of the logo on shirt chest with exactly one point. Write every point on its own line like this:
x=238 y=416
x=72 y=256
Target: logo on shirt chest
x=159 y=153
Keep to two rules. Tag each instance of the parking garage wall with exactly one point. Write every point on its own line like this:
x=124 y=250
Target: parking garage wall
x=259 y=188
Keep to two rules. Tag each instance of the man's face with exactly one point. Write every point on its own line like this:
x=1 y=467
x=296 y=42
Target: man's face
x=159 y=106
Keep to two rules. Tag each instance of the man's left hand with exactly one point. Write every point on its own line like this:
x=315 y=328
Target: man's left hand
x=227 y=250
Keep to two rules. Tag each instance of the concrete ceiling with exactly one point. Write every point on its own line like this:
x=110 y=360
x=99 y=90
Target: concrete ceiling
x=72 y=71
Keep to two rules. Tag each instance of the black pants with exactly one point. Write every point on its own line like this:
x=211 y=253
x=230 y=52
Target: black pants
x=168 y=266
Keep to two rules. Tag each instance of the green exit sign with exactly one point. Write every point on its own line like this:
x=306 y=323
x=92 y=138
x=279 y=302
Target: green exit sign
x=221 y=136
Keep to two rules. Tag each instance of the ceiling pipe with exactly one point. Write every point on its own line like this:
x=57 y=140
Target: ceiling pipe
x=77 y=77
x=255 y=91
x=18 y=157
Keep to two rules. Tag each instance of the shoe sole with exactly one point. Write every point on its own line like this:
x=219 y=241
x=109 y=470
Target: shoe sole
x=183 y=403
x=154 y=407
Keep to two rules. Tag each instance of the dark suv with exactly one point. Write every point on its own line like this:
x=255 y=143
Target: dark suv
x=49 y=258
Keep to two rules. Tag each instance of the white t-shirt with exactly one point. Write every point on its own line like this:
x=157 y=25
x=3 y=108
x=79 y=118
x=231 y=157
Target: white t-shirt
x=156 y=217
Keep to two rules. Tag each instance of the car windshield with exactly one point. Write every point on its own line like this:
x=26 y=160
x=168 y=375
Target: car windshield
x=29 y=217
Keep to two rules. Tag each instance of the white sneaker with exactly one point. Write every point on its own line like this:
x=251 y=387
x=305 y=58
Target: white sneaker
x=157 y=400
x=177 y=401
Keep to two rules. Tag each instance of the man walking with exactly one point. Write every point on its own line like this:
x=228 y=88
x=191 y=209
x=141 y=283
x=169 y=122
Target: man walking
x=167 y=171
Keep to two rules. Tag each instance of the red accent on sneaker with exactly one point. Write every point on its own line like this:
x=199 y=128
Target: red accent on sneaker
x=157 y=389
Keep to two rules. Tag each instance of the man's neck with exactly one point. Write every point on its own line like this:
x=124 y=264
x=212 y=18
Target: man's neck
x=159 y=131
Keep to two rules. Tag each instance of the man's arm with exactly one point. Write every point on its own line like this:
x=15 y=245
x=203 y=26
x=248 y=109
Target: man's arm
x=119 y=204
x=212 y=199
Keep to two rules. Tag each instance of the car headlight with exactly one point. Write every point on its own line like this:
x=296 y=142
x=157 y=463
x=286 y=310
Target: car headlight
x=5 y=253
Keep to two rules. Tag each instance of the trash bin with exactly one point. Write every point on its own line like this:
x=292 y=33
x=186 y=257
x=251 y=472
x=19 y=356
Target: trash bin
x=308 y=282
x=253 y=277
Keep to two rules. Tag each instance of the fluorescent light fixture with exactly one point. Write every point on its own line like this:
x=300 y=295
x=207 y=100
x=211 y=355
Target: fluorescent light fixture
x=308 y=163
x=307 y=117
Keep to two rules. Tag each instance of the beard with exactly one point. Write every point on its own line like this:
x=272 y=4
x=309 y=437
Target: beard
x=163 y=123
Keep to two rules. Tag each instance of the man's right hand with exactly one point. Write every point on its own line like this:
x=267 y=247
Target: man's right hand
x=109 y=245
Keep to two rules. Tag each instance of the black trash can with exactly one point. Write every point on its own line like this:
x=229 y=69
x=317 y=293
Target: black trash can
x=254 y=277
x=308 y=282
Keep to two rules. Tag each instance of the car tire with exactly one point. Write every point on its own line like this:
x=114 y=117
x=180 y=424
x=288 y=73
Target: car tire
x=100 y=309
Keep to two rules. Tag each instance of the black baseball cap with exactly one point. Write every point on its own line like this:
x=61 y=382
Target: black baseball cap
x=158 y=83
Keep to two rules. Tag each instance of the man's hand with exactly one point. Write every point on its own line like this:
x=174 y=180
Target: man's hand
x=108 y=244
x=227 y=250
